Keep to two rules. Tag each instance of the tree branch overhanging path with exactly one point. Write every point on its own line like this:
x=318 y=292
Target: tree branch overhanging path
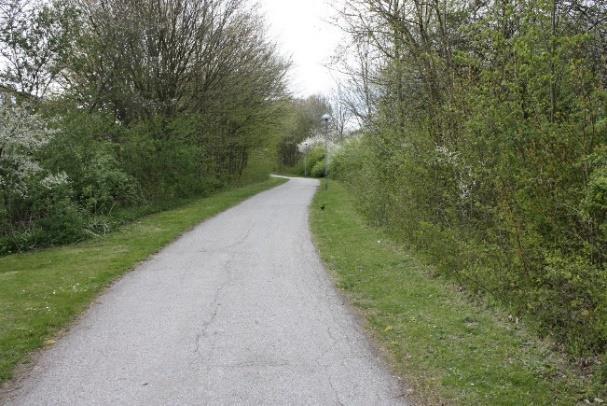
x=238 y=310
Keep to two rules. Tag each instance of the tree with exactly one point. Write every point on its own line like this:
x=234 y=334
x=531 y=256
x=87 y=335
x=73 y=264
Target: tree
x=151 y=100
x=35 y=40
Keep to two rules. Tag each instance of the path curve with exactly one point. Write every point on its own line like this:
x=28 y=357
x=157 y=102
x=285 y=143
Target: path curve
x=239 y=311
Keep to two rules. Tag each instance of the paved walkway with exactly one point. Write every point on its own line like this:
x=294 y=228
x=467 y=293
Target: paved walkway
x=238 y=311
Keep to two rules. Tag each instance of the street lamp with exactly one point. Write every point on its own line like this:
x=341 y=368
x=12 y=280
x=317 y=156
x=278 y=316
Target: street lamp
x=326 y=118
x=306 y=163
x=305 y=148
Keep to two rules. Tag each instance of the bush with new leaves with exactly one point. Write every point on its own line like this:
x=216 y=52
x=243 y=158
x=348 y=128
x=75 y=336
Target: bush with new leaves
x=36 y=206
x=486 y=152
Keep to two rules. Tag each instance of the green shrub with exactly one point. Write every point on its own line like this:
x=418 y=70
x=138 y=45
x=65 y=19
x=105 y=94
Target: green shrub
x=349 y=160
x=83 y=148
x=570 y=297
x=53 y=217
x=167 y=163
x=528 y=265
x=314 y=161
x=318 y=170
x=60 y=220
x=104 y=185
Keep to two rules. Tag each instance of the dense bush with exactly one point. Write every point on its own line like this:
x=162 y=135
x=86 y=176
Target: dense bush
x=312 y=164
x=316 y=162
x=59 y=219
x=31 y=197
x=487 y=152
x=318 y=170
x=542 y=273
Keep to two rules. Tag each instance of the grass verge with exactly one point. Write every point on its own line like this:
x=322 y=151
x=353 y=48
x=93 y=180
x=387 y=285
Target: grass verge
x=41 y=292
x=448 y=349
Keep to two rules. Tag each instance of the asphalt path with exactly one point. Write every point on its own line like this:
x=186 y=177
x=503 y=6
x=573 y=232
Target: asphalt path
x=239 y=311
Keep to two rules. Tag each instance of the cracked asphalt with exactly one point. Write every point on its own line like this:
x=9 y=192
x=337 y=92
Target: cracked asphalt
x=239 y=311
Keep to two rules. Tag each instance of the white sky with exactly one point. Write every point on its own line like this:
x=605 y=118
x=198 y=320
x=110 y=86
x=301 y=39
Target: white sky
x=302 y=30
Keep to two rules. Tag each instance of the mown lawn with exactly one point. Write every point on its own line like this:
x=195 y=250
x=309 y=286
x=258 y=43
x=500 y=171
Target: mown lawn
x=41 y=292
x=447 y=348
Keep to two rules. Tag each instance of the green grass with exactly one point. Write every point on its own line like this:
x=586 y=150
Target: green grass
x=42 y=292
x=448 y=348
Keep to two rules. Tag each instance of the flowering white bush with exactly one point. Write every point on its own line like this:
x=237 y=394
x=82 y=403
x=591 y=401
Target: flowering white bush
x=51 y=182
x=310 y=143
x=21 y=134
x=317 y=140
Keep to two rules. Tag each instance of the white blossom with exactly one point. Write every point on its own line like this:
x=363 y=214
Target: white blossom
x=21 y=134
x=464 y=175
x=52 y=181
x=310 y=143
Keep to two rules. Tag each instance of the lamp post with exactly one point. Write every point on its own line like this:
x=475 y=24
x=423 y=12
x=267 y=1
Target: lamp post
x=305 y=148
x=325 y=121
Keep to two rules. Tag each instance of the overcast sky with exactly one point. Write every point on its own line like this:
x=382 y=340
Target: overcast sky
x=302 y=30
